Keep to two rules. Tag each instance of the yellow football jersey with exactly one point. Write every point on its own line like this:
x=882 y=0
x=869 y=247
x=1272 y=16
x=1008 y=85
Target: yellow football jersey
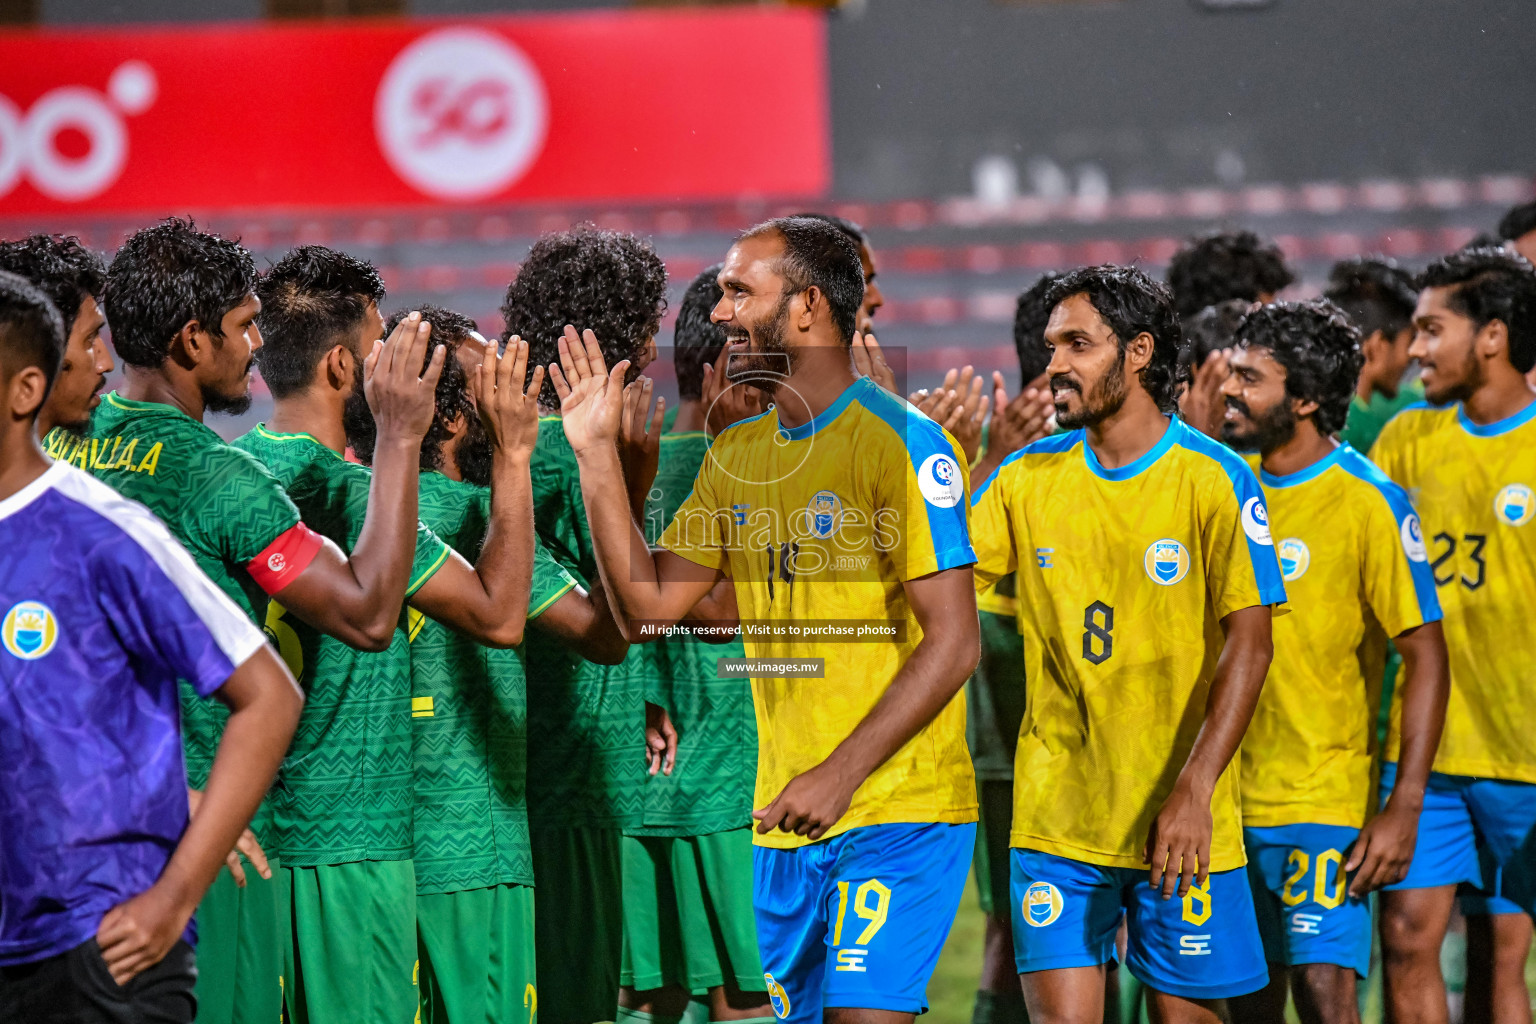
x=1356 y=572
x=1124 y=576
x=1475 y=488
x=818 y=526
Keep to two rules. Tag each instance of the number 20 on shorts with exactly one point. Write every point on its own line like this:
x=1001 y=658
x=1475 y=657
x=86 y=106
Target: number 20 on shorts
x=872 y=903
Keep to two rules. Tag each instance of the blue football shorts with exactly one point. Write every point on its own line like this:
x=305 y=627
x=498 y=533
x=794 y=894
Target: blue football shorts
x=1305 y=912
x=858 y=920
x=1204 y=945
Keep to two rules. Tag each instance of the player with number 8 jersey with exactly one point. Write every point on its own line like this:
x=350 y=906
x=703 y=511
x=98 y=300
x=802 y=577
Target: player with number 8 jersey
x=1138 y=543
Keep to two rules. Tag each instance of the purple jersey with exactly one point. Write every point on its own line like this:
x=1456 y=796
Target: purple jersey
x=102 y=612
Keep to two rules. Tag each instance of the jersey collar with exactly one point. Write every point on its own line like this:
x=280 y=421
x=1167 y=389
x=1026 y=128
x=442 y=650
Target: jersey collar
x=34 y=490
x=1301 y=476
x=826 y=416
x=1131 y=469
x=1497 y=427
x=273 y=435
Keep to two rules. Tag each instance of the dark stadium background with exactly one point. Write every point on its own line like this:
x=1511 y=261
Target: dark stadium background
x=982 y=142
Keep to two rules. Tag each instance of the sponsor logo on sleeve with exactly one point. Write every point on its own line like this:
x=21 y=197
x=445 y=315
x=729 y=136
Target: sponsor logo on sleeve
x=938 y=478
x=1413 y=540
x=1256 y=521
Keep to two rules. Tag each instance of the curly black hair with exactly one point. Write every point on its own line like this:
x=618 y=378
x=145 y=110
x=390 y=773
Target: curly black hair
x=608 y=282
x=1518 y=222
x=819 y=254
x=1131 y=303
x=167 y=275
x=452 y=397
x=1491 y=284
x=1319 y=348
x=1029 y=319
x=1210 y=329
x=65 y=270
x=1375 y=293
x=696 y=339
x=31 y=330
x=1225 y=265
x=311 y=300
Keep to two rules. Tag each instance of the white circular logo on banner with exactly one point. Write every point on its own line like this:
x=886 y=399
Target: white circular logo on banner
x=461 y=113
x=29 y=143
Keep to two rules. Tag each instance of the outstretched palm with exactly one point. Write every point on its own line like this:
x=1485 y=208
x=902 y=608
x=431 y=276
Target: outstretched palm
x=591 y=396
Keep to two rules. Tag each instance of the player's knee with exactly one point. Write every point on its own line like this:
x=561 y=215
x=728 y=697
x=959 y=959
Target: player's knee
x=1326 y=994
x=1407 y=934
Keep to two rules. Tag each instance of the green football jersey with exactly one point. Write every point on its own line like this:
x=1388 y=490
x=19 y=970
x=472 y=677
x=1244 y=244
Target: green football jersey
x=222 y=505
x=711 y=785
x=469 y=717
x=344 y=792
x=1363 y=424
x=995 y=692
x=586 y=722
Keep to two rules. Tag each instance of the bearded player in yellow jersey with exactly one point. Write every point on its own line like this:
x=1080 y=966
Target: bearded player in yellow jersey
x=841 y=505
x=1356 y=573
x=1146 y=580
x=1468 y=458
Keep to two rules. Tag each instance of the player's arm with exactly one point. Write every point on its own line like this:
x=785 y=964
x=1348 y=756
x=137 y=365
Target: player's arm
x=715 y=620
x=357 y=598
x=944 y=604
x=1382 y=853
x=173 y=622
x=489 y=601
x=659 y=588
x=264 y=704
x=1179 y=843
x=583 y=622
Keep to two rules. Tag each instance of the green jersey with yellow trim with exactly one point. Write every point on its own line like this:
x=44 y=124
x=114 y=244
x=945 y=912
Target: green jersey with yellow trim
x=222 y=505
x=710 y=788
x=344 y=792
x=469 y=711
x=586 y=722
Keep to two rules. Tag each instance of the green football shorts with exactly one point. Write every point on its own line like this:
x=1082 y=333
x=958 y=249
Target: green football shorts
x=992 y=830
x=352 y=952
x=241 y=935
x=578 y=923
x=477 y=959
x=688 y=912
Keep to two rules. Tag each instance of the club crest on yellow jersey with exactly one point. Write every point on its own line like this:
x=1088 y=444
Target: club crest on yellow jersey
x=1294 y=558
x=1042 y=904
x=29 y=630
x=1515 y=504
x=826 y=510
x=1166 y=561
x=777 y=997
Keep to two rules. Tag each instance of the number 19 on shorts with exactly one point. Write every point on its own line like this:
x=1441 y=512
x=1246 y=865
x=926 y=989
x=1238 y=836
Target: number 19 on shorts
x=871 y=904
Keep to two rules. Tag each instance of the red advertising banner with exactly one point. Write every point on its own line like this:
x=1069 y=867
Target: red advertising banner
x=621 y=105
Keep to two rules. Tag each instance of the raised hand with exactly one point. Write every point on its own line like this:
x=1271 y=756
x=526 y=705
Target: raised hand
x=1022 y=420
x=725 y=401
x=591 y=396
x=402 y=398
x=509 y=407
x=640 y=440
x=958 y=407
x=1202 y=405
x=870 y=362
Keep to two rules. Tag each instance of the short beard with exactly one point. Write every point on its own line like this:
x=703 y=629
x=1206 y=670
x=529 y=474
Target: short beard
x=230 y=405
x=1102 y=401
x=1269 y=431
x=769 y=360
x=1471 y=380
x=357 y=419
x=473 y=453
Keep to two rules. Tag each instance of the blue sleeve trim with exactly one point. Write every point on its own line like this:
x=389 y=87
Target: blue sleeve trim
x=922 y=438
x=1251 y=509
x=1361 y=468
